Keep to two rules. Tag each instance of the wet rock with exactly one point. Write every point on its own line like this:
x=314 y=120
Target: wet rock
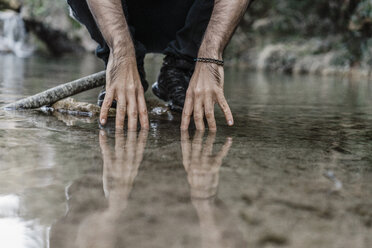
x=72 y=107
x=57 y=41
x=250 y=219
x=276 y=58
x=273 y=239
x=364 y=211
x=247 y=199
x=326 y=213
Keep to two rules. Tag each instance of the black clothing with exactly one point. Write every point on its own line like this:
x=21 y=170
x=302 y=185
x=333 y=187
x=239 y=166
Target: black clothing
x=173 y=81
x=172 y=27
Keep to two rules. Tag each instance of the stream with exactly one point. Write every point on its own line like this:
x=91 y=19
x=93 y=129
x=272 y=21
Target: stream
x=294 y=171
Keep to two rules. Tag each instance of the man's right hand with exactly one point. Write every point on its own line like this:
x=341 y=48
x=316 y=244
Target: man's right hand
x=123 y=84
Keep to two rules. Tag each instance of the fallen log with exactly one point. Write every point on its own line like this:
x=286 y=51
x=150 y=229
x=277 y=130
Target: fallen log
x=50 y=96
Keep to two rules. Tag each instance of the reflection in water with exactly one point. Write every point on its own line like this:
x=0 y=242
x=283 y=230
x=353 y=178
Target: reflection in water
x=93 y=222
x=309 y=126
x=11 y=72
x=119 y=172
x=73 y=120
x=217 y=228
x=202 y=168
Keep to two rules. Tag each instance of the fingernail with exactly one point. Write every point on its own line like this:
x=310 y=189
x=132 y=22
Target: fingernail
x=103 y=121
x=230 y=122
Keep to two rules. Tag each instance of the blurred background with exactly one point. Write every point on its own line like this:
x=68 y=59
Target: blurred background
x=298 y=173
x=291 y=36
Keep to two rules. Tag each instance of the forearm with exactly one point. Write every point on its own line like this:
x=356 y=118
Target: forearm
x=225 y=18
x=111 y=21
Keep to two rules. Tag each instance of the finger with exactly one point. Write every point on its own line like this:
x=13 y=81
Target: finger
x=130 y=147
x=186 y=149
x=199 y=115
x=119 y=144
x=187 y=111
x=120 y=114
x=224 y=151
x=109 y=97
x=225 y=108
x=141 y=144
x=208 y=147
x=105 y=149
x=142 y=108
x=209 y=114
x=132 y=113
x=107 y=160
x=197 y=144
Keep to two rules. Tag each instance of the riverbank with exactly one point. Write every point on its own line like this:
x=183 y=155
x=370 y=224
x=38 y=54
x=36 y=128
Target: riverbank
x=321 y=38
x=314 y=57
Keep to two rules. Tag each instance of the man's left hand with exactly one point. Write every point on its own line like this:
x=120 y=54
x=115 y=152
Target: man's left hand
x=205 y=90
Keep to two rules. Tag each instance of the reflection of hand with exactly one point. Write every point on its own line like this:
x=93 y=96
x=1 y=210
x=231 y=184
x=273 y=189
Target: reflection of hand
x=203 y=174
x=120 y=169
x=100 y=229
x=202 y=168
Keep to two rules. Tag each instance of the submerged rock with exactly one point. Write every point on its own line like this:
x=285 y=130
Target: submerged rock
x=70 y=106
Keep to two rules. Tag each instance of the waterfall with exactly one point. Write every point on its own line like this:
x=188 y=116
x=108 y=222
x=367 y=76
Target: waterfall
x=13 y=35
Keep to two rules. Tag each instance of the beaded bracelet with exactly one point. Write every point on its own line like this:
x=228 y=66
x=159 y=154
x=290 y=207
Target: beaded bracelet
x=208 y=60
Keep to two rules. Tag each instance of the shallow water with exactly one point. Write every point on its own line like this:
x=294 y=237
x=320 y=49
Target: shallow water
x=294 y=171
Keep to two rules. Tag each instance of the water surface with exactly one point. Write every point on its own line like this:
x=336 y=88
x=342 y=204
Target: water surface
x=294 y=171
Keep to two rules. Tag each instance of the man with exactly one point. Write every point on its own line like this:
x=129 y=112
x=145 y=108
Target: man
x=191 y=33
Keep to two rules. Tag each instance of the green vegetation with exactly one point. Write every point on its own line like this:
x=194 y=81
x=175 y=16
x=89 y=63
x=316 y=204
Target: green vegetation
x=300 y=28
x=344 y=26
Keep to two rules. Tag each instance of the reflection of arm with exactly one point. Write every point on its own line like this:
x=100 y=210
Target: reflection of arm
x=225 y=18
x=111 y=21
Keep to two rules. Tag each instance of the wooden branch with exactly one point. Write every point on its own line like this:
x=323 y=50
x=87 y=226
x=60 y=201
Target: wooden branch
x=49 y=97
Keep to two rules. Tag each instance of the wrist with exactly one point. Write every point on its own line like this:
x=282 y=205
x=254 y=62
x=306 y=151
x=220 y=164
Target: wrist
x=121 y=58
x=213 y=52
x=123 y=51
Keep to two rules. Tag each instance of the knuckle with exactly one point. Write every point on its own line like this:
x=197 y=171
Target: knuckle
x=198 y=92
x=133 y=114
x=130 y=88
x=143 y=111
x=106 y=104
x=186 y=113
x=122 y=108
x=188 y=94
x=201 y=128
x=141 y=91
x=212 y=126
x=209 y=114
x=209 y=91
x=223 y=104
x=219 y=91
x=198 y=117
